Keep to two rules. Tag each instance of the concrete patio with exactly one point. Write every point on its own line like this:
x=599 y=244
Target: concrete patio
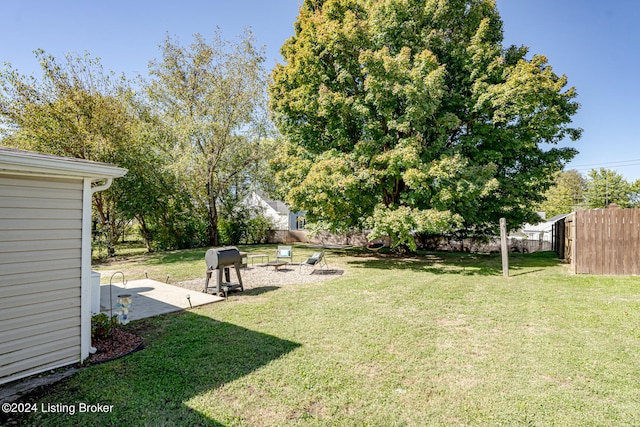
x=151 y=298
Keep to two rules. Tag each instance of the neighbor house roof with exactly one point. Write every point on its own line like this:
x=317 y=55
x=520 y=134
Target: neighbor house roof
x=556 y=218
x=21 y=161
x=545 y=225
x=277 y=205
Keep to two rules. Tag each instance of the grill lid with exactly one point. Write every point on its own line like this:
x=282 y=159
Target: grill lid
x=221 y=257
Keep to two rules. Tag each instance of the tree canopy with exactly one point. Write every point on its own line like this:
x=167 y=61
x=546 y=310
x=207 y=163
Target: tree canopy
x=78 y=110
x=192 y=139
x=213 y=96
x=411 y=117
x=604 y=187
x=599 y=189
x=565 y=195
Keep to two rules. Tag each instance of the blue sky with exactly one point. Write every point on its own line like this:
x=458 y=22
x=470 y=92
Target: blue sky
x=595 y=43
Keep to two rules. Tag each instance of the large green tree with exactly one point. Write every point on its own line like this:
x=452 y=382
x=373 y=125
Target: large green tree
x=76 y=109
x=411 y=116
x=604 y=187
x=153 y=193
x=566 y=194
x=634 y=194
x=213 y=96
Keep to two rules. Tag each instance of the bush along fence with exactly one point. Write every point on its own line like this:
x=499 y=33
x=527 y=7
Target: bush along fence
x=600 y=241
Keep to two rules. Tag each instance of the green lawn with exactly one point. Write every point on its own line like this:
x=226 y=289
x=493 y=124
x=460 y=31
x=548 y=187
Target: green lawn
x=440 y=339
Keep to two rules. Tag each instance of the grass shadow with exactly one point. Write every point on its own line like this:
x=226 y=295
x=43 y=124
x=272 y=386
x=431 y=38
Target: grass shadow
x=456 y=262
x=258 y=290
x=185 y=356
x=171 y=257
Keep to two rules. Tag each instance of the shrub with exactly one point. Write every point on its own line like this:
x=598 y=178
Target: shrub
x=102 y=325
x=181 y=230
x=258 y=229
x=244 y=226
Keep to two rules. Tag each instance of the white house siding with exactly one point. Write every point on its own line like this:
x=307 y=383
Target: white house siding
x=40 y=274
x=279 y=217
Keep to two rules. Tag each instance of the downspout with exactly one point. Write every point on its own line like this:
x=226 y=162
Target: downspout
x=102 y=187
x=85 y=269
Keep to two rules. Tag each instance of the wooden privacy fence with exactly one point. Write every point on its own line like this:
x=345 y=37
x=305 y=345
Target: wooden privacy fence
x=603 y=241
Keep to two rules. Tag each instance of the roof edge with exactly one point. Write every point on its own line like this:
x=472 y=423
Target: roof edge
x=22 y=161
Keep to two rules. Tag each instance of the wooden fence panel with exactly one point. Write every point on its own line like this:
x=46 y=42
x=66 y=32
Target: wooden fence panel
x=634 y=241
x=625 y=243
x=617 y=235
x=630 y=219
x=578 y=238
x=610 y=238
x=586 y=238
x=607 y=241
x=616 y=225
x=569 y=239
x=595 y=252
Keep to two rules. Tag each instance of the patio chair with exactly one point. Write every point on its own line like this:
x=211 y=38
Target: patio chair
x=316 y=260
x=284 y=252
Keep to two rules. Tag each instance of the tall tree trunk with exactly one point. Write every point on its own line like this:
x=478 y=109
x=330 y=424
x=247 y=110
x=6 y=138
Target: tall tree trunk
x=113 y=235
x=214 y=237
x=146 y=235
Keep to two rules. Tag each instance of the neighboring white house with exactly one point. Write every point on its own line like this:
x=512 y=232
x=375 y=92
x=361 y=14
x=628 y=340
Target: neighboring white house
x=278 y=212
x=45 y=259
x=542 y=230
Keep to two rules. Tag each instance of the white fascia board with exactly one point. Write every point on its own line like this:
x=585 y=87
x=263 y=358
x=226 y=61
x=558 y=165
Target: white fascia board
x=18 y=161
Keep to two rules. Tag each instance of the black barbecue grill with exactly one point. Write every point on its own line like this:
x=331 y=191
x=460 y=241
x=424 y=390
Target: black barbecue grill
x=221 y=259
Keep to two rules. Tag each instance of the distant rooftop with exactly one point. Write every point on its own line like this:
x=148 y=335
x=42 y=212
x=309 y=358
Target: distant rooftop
x=277 y=205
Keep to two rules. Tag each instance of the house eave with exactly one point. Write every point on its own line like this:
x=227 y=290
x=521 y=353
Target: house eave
x=26 y=162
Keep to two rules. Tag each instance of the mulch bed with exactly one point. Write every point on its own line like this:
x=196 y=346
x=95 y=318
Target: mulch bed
x=118 y=344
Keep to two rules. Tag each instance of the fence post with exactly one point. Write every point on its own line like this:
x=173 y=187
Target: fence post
x=503 y=246
x=574 y=242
